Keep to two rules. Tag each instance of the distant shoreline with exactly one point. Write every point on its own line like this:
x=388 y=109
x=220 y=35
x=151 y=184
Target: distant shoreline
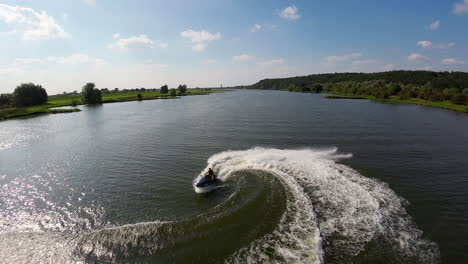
x=447 y=105
x=446 y=90
x=55 y=101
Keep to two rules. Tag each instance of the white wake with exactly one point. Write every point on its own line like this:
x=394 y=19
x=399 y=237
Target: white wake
x=331 y=209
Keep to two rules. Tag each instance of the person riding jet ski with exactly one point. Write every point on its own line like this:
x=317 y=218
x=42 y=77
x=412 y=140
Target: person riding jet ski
x=210 y=175
x=206 y=182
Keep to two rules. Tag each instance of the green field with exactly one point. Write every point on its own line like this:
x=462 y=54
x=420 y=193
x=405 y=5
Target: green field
x=73 y=100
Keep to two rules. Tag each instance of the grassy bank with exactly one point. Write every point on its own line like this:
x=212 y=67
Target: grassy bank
x=73 y=100
x=32 y=111
x=395 y=99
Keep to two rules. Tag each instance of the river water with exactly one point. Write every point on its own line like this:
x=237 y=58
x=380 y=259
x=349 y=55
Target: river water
x=306 y=180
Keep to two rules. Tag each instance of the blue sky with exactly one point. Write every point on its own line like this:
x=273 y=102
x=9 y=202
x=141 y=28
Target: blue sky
x=127 y=44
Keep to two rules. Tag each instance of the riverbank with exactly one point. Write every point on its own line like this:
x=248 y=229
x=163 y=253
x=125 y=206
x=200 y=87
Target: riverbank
x=74 y=100
x=343 y=97
x=395 y=99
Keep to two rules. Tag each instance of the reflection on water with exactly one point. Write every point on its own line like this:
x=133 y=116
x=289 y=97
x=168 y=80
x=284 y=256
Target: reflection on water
x=114 y=182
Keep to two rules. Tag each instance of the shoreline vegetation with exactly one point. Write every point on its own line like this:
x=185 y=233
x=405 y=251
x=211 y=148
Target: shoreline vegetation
x=446 y=90
x=447 y=105
x=74 y=99
x=344 y=97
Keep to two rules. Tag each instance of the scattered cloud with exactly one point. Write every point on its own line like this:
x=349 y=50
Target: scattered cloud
x=390 y=67
x=73 y=59
x=290 y=13
x=415 y=57
x=460 y=8
x=116 y=35
x=426 y=44
x=369 y=65
x=343 y=58
x=163 y=45
x=256 y=28
x=242 y=57
x=141 y=41
x=451 y=61
x=33 y=24
x=270 y=62
x=360 y=63
x=200 y=38
x=446 y=45
x=434 y=25
x=147 y=67
x=259 y=27
x=210 y=61
x=64 y=16
x=90 y=2
x=69 y=73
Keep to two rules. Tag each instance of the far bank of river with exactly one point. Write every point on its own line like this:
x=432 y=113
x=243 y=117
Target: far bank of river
x=74 y=100
x=395 y=99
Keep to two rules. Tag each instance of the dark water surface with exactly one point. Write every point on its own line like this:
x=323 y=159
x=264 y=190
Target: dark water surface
x=306 y=180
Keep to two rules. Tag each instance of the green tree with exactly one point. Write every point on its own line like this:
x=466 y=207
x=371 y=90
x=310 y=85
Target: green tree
x=317 y=88
x=139 y=97
x=182 y=88
x=164 y=89
x=6 y=100
x=91 y=95
x=459 y=99
x=172 y=92
x=292 y=87
x=28 y=94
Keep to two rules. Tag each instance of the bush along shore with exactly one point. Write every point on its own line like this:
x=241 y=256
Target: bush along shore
x=19 y=103
x=447 y=90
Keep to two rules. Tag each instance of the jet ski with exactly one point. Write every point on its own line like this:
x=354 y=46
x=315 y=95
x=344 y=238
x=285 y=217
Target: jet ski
x=204 y=184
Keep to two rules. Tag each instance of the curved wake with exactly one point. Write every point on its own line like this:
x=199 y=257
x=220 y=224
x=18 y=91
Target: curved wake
x=333 y=213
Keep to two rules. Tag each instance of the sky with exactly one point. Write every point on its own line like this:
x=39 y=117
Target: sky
x=64 y=44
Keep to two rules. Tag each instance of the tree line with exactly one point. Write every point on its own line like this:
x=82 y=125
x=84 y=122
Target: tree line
x=427 y=85
x=30 y=94
x=26 y=94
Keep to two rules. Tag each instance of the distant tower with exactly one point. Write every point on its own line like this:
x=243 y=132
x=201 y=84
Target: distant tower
x=221 y=86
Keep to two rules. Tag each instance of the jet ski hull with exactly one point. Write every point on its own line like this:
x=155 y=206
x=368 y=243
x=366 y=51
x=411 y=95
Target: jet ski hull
x=204 y=186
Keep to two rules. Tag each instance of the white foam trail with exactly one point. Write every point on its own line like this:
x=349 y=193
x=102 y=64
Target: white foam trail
x=331 y=209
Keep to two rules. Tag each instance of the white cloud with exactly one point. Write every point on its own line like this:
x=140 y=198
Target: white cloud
x=425 y=44
x=415 y=57
x=460 y=8
x=434 y=25
x=343 y=58
x=34 y=25
x=242 y=57
x=141 y=41
x=290 y=13
x=369 y=65
x=270 y=62
x=361 y=63
x=74 y=59
x=389 y=67
x=256 y=28
x=116 y=35
x=451 y=61
x=200 y=38
x=65 y=16
x=90 y=2
x=429 y=45
x=69 y=73
x=210 y=61
x=446 y=45
x=163 y=45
